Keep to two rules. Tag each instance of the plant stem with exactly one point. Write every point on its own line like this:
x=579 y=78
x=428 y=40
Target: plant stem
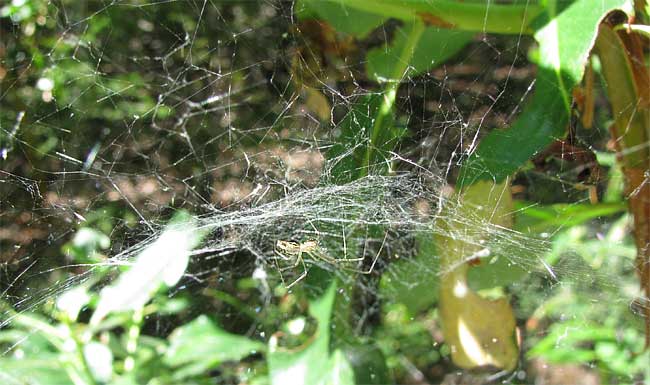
x=79 y=347
x=390 y=92
x=132 y=341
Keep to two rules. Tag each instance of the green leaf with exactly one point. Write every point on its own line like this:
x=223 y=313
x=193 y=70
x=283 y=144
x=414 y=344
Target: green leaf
x=479 y=331
x=414 y=282
x=72 y=301
x=46 y=369
x=339 y=372
x=565 y=342
x=201 y=345
x=536 y=218
x=309 y=364
x=477 y=16
x=497 y=271
x=615 y=356
x=565 y=36
x=86 y=244
x=163 y=261
x=41 y=335
x=341 y=17
x=348 y=154
x=368 y=363
x=100 y=361
x=434 y=46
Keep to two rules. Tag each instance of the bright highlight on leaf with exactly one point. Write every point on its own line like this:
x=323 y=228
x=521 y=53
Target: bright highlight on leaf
x=480 y=332
x=162 y=262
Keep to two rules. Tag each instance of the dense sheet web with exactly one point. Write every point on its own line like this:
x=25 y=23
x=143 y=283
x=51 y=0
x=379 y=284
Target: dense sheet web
x=232 y=112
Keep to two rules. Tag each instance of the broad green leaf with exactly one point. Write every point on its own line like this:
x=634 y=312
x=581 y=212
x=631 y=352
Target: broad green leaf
x=339 y=372
x=163 y=261
x=41 y=335
x=565 y=37
x=46 y=369
x=343 y=18
x=308 y=364
x=476 y=16
x=433 y=47
x=201 y=345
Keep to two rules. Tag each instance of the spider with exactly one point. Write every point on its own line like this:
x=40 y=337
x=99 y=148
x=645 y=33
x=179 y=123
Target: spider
x=293 y=252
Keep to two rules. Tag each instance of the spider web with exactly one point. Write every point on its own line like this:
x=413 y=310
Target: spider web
x=195 y=105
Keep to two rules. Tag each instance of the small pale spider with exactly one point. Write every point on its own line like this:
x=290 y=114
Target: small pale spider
x=294 y=252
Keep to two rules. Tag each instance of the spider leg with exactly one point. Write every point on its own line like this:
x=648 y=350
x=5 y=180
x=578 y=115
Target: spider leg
x=287 y=268
x=317 y=254
x=304 y=271
x=372 y=266
x=299 y=259
x=345 y=244
x=350 y=259
x=285 y=257
x=334 y=261
x=277 y=265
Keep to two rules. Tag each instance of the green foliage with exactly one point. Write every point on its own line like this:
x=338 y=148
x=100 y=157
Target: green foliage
x=18 y=10
x=350 y=151
x=313 y=363
x=563 y=53
x=200 y=345
x=587 y=331
x=162 y=262
x=72 y=351
x=344 y=19
x=405 y=337
x=95 y=336
x=369 y=129
x=547 y=218
x=415 y=282
x=76 y=354
x=433 y=47
x=86 y=245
